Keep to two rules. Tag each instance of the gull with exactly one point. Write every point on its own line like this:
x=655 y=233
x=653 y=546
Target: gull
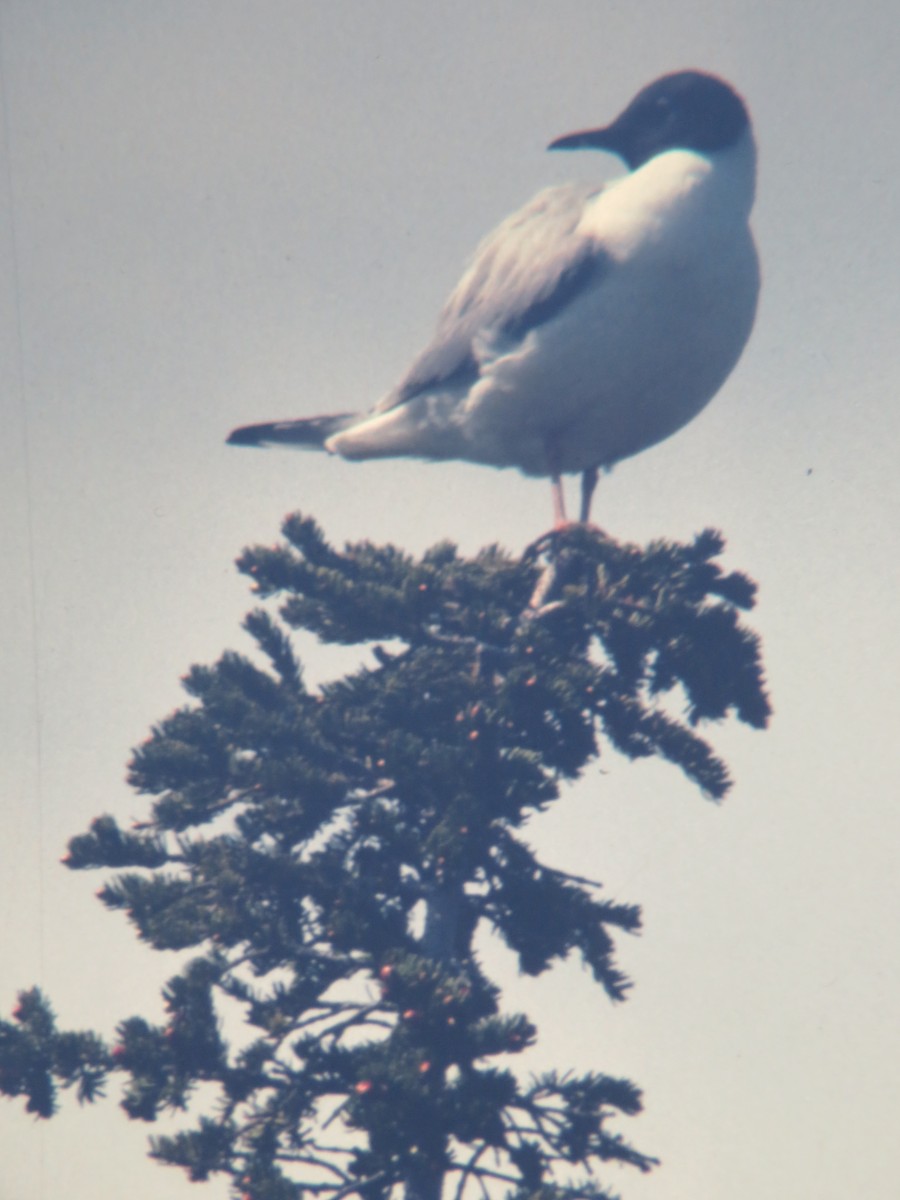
x=594 y=322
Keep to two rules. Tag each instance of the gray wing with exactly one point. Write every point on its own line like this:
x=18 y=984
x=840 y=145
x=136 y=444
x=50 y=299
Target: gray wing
x=521 y=275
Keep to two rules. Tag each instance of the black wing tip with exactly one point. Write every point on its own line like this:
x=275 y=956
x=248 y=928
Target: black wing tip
x=311 y=432
x=249 y=435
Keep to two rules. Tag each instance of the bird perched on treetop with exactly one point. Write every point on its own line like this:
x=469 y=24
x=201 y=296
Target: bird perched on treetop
x=592 y=323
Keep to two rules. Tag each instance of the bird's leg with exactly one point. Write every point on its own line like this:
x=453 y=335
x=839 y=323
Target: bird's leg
x=588 y=483
x=551 y=449
x=559 y=502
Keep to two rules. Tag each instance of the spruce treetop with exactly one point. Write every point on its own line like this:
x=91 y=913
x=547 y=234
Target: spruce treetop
x=324 y=856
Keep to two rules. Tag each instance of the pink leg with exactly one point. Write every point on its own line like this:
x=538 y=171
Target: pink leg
x=559 y=503
x=588 y=483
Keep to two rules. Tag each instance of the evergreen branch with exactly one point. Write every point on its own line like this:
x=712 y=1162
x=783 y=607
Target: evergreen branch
x=355 y=1186
x=487 y=1173
x=278 y=648
x=360 y=1018
x=467 y=1170
x=326 y=1164
x=569 y=877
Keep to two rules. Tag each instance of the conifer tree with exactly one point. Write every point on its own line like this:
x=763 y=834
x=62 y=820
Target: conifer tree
x=324 y=857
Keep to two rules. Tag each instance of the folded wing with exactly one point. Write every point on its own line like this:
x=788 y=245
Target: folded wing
x=523 y=273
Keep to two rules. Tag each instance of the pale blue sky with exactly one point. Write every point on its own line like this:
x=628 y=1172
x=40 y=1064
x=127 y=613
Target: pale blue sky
x=216 y=212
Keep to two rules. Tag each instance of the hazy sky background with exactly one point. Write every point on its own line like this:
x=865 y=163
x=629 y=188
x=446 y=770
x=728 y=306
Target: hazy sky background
x=216 y=212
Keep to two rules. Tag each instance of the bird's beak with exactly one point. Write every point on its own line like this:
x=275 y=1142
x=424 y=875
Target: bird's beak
x=588 y=139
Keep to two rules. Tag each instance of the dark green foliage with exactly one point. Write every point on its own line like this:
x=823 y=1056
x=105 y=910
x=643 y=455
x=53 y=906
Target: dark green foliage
x=329 y=854
x=35 y=1058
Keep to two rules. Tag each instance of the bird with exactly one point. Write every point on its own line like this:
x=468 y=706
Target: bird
x=595 y=321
